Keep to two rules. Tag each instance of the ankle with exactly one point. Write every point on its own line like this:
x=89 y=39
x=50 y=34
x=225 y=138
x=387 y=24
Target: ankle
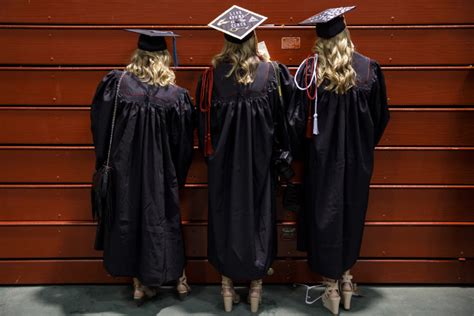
x=256 y=284
x=332 y=288
x=227 y=282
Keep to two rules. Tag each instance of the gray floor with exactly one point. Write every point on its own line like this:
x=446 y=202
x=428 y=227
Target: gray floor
x=205 y=300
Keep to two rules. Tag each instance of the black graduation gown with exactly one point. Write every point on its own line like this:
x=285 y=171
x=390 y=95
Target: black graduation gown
x=338 y=167
x=248 y=132
x=151 y=153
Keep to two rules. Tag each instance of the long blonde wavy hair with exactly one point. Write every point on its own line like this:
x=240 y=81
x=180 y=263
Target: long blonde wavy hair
x=335 y=62
x=152 y=67
x=244 y=59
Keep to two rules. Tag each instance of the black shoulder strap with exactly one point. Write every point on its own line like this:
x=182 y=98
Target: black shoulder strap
x=114 y=114
x=276 y=69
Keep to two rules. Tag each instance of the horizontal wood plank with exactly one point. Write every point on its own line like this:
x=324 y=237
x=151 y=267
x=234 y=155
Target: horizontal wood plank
x=72 y=203
x=45 y=126
x=114 y=47
x=413 y=87
x=423 y=167
x=63 y=126
x=392 y=166
x=396 y=271
x=429 y=128
x=36 y=241
x=23 y=272
x=191 y=13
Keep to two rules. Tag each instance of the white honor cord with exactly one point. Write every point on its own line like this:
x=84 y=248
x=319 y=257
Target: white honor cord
x=309 y=288
x=314 y=79
x=314 y=75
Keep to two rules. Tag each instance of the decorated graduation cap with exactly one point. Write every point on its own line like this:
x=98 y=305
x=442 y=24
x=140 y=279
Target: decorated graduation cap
x=330 y=22
x=237 y=24
x=154 y=41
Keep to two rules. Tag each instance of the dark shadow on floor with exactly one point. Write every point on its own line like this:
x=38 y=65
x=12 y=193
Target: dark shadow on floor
x=277 y=300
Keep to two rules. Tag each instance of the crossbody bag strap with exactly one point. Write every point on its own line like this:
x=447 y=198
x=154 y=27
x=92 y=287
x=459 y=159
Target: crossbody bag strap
x=276 y=69
x=114 y=114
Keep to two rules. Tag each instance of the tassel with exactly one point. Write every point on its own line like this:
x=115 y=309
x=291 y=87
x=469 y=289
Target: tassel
x=309 y=128
x=208 y=144
x=175 y=53
x=309 y=67
x=309 y=121
x=315 y=117
x=207 y=83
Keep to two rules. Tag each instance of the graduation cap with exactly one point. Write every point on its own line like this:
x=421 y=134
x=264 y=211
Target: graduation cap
x=237 y=24
x=328 y=23
x=154 y=41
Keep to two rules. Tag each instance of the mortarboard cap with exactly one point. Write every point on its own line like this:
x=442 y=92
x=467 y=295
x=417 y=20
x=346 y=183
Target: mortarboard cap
x=154 y=40
x=237 y=24
x=328 y=23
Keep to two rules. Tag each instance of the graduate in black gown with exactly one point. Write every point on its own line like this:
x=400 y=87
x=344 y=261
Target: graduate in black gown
x=343 y=129
x=150 y=156
x=242 y=133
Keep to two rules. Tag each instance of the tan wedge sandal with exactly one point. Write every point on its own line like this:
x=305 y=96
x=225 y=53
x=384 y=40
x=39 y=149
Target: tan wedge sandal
x=182 y=287
x=255 y=295
x=347 y=290
x=141 y=292
x=331 y=298
x=228 y=294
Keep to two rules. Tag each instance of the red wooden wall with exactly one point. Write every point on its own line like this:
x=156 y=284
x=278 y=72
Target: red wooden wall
x=420 y=223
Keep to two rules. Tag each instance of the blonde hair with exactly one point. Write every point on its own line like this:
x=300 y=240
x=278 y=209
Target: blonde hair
x=335 y=62
x=244 y=59
x=152 y=67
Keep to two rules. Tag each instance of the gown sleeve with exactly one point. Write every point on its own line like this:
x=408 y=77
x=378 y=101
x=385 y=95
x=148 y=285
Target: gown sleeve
x=378 y=103
x=101 y=115
x=282 y=152
x=182 y=137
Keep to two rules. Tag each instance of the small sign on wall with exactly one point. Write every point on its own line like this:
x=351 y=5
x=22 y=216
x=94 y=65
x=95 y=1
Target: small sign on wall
x=290 y=42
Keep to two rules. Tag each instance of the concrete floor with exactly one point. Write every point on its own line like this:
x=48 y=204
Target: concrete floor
x=205 y=300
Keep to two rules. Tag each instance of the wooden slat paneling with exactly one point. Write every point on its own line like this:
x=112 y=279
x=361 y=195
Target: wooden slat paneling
x=62 y=126
x=398 y=241
x=413 y=87
x=429 y=128
x=72 y=203
x=380 y=241
x=45 y=203
x=75 y=165
x=420 y=204
x=423 y=167
x=396 y=271
x=45 y=126
x=200 y=271
x=114 y=47
x=166 y=12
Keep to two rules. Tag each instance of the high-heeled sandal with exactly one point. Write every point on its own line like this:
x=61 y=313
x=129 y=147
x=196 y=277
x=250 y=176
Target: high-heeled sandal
x=347 y=289
x=228 y=294
x=182 y=287
x=331 y=298
x=255 y=295
x=141 y=292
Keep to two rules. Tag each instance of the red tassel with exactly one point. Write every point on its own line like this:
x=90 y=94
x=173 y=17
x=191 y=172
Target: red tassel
x=309 y=120
x=309 y=127
x=207 y=83
x=208 y=145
